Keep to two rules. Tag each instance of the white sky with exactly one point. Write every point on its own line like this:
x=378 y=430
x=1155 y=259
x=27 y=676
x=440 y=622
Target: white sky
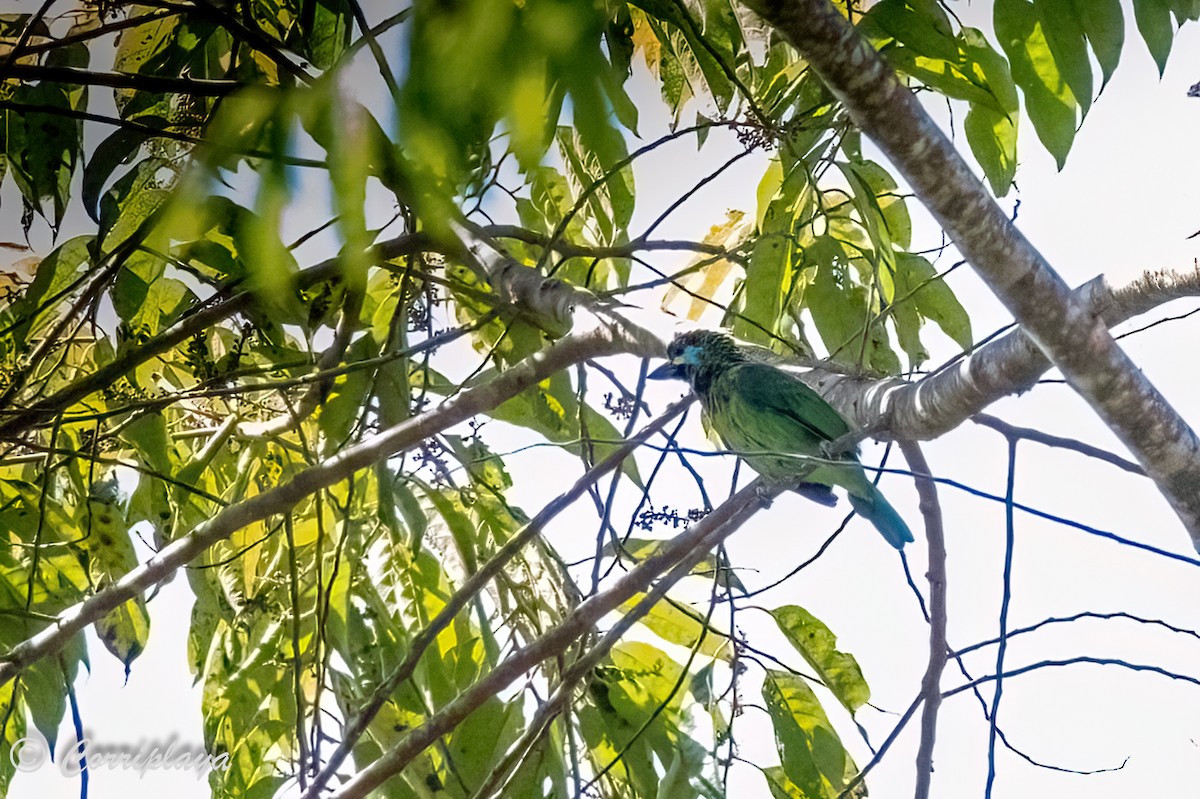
x=1124 y=203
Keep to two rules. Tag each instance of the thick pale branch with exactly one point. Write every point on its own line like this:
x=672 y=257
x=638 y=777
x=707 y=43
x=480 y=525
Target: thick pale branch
x=1065 y=328
x=1009 y=365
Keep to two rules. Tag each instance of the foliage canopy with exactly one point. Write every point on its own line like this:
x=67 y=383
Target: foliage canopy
x=257 y=211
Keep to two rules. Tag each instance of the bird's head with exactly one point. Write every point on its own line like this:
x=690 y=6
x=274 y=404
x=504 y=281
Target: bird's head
x=697 y=353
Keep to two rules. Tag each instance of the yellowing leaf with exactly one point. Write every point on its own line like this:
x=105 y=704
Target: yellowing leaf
x=710 y=286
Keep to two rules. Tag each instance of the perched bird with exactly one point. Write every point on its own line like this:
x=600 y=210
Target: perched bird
x=770 y=417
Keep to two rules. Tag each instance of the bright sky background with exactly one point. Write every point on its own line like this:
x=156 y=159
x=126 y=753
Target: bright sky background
x=1125 y=203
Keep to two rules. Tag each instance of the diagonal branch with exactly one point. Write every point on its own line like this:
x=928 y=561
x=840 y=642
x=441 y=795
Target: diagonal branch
x=605 y=338
x=357 y=725
x=1068 y=330
x=1011 y=364
x=679 y=555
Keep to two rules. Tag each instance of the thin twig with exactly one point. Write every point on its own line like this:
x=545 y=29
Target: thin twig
x=931 y=509
x=358 y=724
x=1030 y=434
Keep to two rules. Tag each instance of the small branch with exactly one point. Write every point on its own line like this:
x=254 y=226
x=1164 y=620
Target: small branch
x=121 y=80
x=1086 y=614
x=1028 y=433
x=679 y=555
x=931 y=685
x=603 y=339
x=630 y=248
x=1075 y=661
x=1005 y=602
x=852 y=785
x=357 y=725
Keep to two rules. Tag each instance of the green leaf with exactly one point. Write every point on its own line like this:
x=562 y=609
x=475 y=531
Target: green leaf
x=677 y=626
x=12 y=709
x=271 y=267
x=43 y=147
x=918 y=24
x=1154 y=23
x=927 y=49
x=248 y=706
x=1065 y=35
x=1104 y=25
x=870 y=215
x=145 y=299
x=213 y=255
x=592 y=167
x=411 y=511
x=482 y=739
x=882 y=198
x=840 y=310
x=450 y=507
x=917 y=278
x=108 y=545
x=44 y=687
x=552 y=409
x=342 y=408
x=770 y=272
x=325 y=31
x=1186 y=10
x=1048 y=98
x=818 y=645
x=133 y=198
x=57 y=275
x=811 y=753
x=678 y=35
x=992 y=132
x=147 y=432
x=119 y=148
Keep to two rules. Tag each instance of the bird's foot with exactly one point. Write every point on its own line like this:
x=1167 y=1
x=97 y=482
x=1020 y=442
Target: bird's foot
x=818 y=493
x=766 y=494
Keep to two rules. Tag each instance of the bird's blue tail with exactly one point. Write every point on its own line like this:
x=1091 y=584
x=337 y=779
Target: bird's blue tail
x=872 y=506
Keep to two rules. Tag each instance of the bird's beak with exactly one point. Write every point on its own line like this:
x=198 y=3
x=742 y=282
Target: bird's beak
x=669 y=371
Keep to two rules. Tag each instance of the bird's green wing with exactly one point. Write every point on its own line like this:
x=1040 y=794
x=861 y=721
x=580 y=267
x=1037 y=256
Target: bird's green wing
x=770 y=389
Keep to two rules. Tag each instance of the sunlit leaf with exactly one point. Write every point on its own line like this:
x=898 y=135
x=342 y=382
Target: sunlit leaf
x=1048 y=98
x=812 y=755
x=818 y=645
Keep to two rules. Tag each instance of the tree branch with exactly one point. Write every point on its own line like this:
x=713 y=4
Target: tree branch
x=1009 y=365
x=1011 y=432
x=357 y=725
x=1065 y=328
x=121 y=80
x=604 y=338
x=931 y=685
x=682 y=553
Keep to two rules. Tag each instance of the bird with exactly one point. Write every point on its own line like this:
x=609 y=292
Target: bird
x=777 y=424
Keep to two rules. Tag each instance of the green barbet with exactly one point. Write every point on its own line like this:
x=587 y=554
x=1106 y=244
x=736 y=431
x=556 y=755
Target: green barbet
x=777 y=424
